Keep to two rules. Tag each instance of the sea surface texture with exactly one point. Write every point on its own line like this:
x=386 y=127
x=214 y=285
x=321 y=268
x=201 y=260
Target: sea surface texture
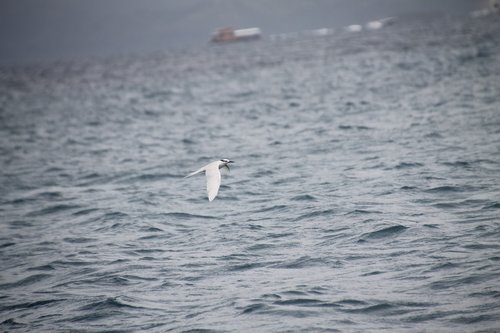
x=365 y=196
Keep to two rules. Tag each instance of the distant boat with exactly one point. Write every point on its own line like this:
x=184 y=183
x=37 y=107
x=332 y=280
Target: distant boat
x=232 y=35
x=354 y=28
x=377 y=24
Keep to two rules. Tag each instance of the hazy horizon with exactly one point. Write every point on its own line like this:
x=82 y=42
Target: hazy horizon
x=32 y=30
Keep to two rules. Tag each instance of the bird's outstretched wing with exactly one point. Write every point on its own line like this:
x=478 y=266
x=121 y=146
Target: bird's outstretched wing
x=213 y=180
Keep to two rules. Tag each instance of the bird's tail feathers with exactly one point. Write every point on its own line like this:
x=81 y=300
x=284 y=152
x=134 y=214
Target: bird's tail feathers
x=194 y=173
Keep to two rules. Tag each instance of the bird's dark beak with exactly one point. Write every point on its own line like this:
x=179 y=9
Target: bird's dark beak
x=230 y=162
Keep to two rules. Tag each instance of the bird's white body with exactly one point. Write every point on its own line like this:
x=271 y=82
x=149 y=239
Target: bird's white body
x=213 y=176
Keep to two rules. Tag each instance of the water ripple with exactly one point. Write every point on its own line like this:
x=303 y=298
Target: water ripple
x=364 y=197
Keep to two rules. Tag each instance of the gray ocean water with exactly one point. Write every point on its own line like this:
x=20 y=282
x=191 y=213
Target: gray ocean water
x=365 y=196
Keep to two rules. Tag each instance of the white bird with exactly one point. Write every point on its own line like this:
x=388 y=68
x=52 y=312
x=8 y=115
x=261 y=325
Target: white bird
x=213 y=176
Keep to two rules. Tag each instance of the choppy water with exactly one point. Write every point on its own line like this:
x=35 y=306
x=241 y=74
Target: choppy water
x=365 y=195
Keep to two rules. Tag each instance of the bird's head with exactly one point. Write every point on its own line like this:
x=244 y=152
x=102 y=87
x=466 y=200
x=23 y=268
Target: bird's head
x=226 y=161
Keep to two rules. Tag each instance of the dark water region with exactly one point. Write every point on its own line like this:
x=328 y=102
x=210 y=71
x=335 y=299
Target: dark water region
x=365 y=196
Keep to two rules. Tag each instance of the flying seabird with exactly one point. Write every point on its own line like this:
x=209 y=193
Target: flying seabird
x=213 y=176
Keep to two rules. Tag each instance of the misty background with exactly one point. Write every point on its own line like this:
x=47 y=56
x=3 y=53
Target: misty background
x=34 y=30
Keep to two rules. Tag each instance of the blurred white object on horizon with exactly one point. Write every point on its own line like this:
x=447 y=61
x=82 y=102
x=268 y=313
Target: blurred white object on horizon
x=354 y=28
x=231 y=35
x=322 y=32
x=377 y=24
